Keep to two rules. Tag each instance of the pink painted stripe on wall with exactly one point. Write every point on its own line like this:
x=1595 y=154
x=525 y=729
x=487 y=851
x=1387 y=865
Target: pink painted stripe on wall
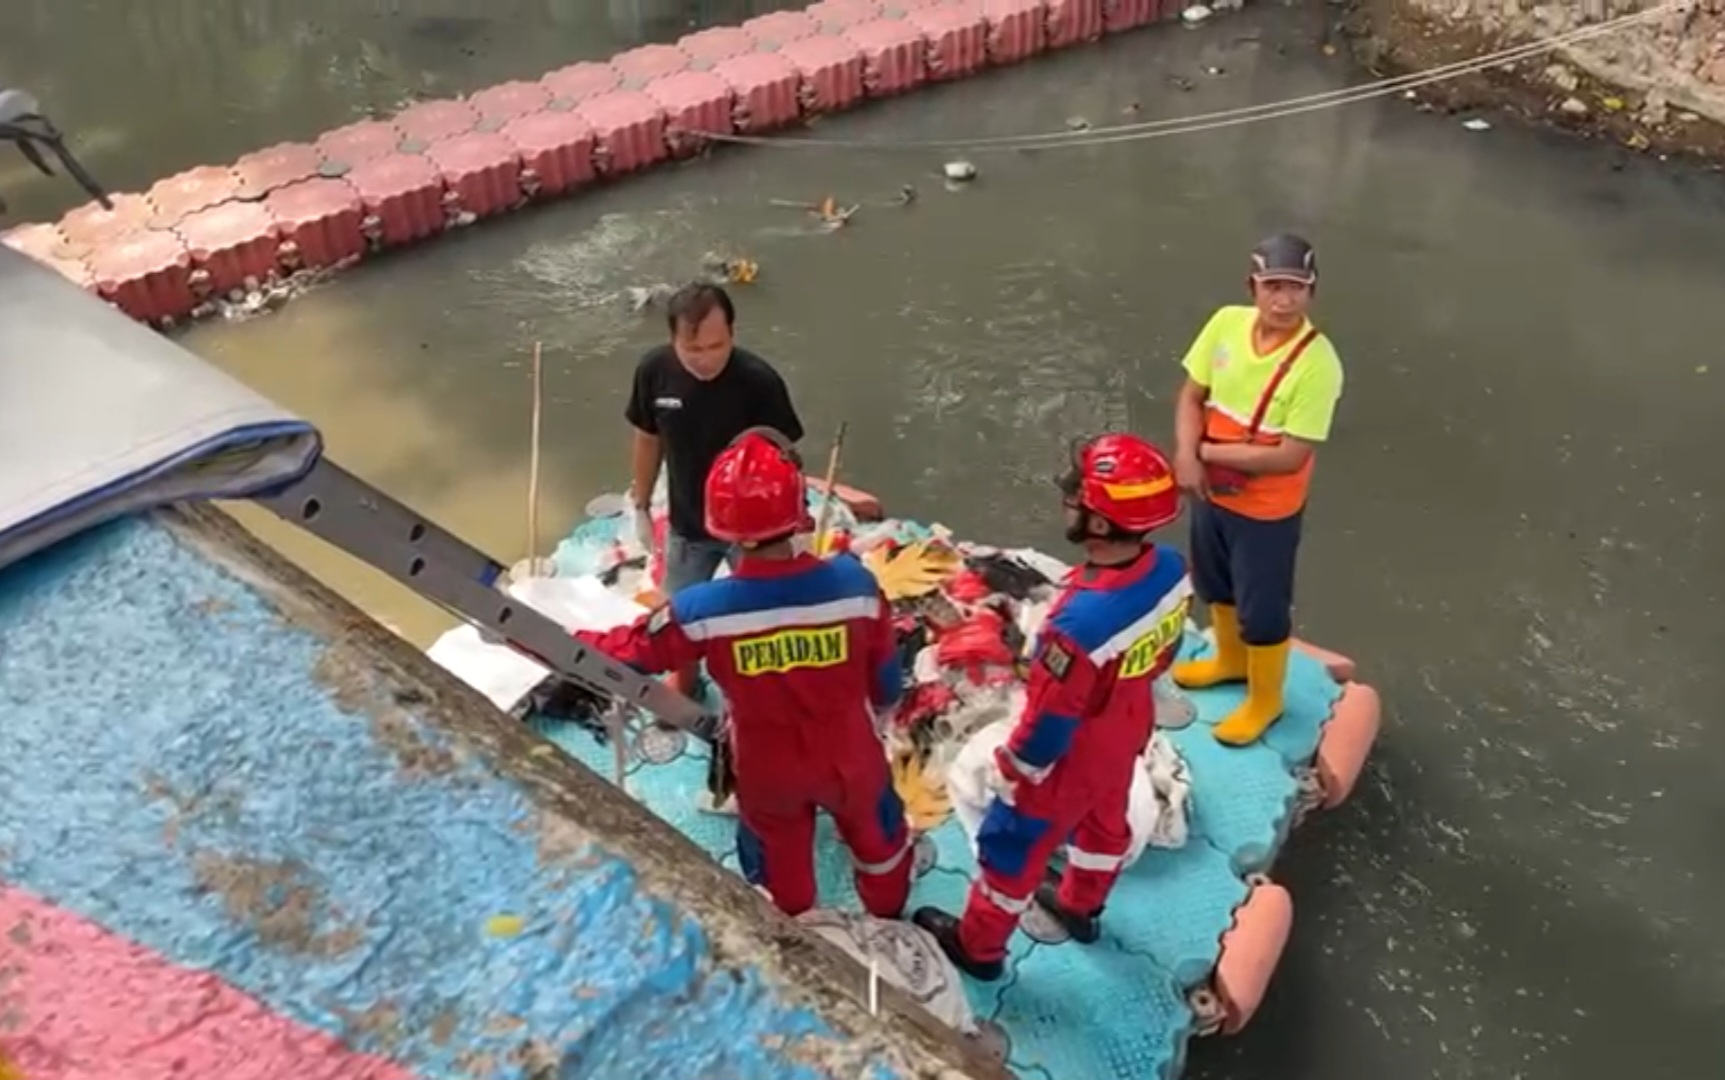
x=80 y=1003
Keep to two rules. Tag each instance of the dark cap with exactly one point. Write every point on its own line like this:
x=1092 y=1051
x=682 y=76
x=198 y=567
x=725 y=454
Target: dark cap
x=1285 y=257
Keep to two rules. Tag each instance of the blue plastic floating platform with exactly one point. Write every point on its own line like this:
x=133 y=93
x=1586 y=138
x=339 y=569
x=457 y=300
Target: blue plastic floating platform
x=1115 y=1010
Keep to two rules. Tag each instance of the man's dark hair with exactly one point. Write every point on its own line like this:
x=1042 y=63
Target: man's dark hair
x=693 y=303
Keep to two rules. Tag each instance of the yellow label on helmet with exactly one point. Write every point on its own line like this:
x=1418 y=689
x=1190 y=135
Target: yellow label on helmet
x=1139 y=491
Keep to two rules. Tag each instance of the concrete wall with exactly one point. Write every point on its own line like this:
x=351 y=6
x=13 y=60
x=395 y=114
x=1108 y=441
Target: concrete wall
x=247 y=833
x=1677 y=60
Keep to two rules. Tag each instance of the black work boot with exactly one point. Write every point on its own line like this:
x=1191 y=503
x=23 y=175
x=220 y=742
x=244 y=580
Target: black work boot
x=1084 y=929
x=944 y=927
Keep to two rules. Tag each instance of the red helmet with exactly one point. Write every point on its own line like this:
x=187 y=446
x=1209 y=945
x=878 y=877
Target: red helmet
x=755 y=490
x=1123 y=480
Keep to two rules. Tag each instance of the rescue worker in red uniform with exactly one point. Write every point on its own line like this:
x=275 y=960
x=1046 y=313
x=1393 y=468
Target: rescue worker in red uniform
x=803 y=649
x=1065 y=774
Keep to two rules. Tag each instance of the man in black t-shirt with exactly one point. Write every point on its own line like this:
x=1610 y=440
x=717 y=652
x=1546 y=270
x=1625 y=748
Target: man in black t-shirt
x=690 y=399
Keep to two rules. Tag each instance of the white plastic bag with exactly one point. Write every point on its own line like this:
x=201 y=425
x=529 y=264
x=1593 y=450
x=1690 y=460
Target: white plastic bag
x=1157 y=806
x=904 y=955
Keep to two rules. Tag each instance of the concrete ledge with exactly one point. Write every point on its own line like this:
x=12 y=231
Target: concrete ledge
x=211 y=756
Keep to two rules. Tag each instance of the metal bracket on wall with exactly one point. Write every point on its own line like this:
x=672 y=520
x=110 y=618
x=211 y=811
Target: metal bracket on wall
x=336 y=506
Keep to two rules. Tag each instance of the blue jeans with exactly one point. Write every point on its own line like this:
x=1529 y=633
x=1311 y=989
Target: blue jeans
x=690 y=562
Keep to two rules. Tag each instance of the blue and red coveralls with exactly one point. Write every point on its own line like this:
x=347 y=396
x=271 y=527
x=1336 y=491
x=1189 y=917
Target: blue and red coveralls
x=1069 y=763
x=800 y=647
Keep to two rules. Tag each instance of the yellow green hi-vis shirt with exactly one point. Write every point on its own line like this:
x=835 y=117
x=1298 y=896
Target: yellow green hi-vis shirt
x=1224 y=360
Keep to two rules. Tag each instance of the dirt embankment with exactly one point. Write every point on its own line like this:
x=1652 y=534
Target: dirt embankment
x=1655 y=87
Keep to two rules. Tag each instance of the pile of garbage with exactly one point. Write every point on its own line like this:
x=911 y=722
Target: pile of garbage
x=964 y=614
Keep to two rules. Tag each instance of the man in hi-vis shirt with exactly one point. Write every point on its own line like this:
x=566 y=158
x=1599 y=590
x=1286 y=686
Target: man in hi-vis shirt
x=1261 y=389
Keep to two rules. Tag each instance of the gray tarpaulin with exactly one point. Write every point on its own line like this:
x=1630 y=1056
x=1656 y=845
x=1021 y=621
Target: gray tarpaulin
x=102 y=417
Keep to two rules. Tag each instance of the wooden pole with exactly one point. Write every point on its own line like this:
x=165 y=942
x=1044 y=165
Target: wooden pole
x=533 y=461
x=825 y=518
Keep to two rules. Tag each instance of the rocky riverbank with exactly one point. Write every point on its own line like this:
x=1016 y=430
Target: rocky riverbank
x=1655 y=87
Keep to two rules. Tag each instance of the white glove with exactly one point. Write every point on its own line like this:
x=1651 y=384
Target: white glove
x=644 y=529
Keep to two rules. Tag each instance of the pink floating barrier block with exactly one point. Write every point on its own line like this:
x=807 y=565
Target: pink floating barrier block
x=498 y=105
x=705 y=48
x=572 y=85
x=233 y=246
x=148 y=275
x=629 y=129
x=895 y=55
x=1347 y=741
x=40 y=242
x=262 y=171
x=351 y=146
x=481 y=169
x=767 y=88
x=556 y=150
x=777 y=29
x=832 y=71
x=1017 y=29
x=641 y=66
x=320 y=222
x=89 y=227
x=190 y=191
x=694 y=102
x=1073 y=21
x=1118 y=15
x=1340 y=667
x=837 y=16
x=431 y=121
x=1251 y=949
x=957 y=36
x=403 y=198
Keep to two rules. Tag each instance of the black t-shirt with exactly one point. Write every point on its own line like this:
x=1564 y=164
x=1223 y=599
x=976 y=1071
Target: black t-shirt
x=695 y=420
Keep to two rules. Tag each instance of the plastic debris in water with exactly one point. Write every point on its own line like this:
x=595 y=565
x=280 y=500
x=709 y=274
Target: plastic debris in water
x=1476 y=124
x=959 y=171
x=1196 y=14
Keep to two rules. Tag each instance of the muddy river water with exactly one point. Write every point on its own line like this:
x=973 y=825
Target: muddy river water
x=1519 y=528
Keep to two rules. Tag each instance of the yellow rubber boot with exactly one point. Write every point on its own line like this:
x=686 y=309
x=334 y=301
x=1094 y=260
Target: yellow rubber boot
x=1226 y=664
x=1266 y=675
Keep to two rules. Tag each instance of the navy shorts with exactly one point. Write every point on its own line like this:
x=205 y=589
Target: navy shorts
x=1248 y=563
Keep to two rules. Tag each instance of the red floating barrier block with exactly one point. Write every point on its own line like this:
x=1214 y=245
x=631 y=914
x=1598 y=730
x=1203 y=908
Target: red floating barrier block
x=39 y=242
x=263 y=171
x=957 y=36
x=354 y=145
x=320 y=223
x=629 y=131
x=704 y=48
x=556 y=150
x=777 y=29
x=233 y=246
x=577 y=83
x=190 y=191
x=44 y=244
x=481 y=169
x=148 y=275
x=837 y=16
x=498 y=105
x=832 y=71
x=431 y=121
x=1073 y=21
x=767 y=88
x=641 y=66
x=1118 y=15
x=895 y=55
x=1017 y=29
x=403 y=197
x=89 y=226
x=694 y=102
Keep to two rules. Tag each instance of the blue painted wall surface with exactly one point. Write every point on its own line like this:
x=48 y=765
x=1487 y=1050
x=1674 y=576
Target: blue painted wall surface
x=175 y=768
